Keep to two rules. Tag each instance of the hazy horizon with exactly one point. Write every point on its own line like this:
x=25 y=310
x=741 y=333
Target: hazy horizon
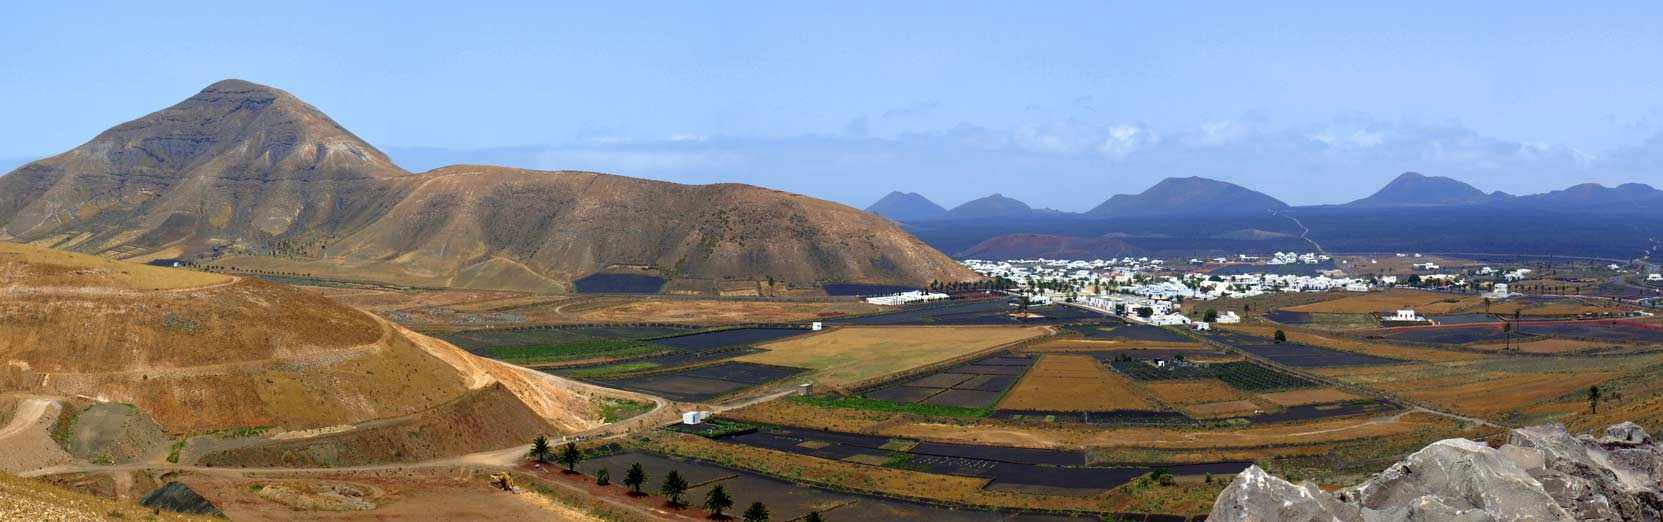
x=1059 y=106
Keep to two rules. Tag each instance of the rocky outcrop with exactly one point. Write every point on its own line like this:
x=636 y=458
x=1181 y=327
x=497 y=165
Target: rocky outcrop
x=1542 y=473
x=179 y=498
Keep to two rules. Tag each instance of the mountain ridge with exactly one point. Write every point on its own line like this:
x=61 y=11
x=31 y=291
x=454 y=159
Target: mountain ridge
x=1191 y=195
x=249 y=176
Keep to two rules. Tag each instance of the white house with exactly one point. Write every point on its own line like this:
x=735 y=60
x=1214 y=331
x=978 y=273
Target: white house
x=1202 y=326
x=1407 y=315
x=1654 y=277
x=1169 y=320
x=902 y=298
x=1499 y=291
x=1228 y=317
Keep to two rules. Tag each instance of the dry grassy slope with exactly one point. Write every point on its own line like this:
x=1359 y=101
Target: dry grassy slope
x=242 y=168
x=504 y=228
x=233 y=354
x=24 y=499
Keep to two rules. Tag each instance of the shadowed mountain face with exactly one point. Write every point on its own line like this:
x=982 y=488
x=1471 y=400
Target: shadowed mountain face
x=1192 y=195
x=250 y=176
x=907 y=206
x=994 y=206
x=1593 y=196
x=1413 y=189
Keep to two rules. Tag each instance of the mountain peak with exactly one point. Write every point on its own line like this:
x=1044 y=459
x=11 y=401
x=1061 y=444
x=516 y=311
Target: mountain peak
x=1413 y=189
x=1189 y=195
x=906 y=206
x=991 y=206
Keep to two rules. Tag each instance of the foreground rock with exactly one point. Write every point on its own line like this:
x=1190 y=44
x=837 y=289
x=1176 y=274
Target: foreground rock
x=1543 y=473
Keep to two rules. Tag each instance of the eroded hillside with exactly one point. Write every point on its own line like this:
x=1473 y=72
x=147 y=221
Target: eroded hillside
x=248 y=176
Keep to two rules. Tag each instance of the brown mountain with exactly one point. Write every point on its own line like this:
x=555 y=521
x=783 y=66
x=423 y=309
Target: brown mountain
x=248 y=176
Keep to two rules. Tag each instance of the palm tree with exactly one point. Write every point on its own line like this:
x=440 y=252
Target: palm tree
x=756 y=513
x=570 y=456
x=634 y=478
x=813 y=516
x=540 y=450
x=1593 y=399
x=673 y=487
x=602 y=477
x=717 y=501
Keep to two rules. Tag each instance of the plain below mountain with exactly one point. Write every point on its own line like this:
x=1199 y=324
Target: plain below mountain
x=1049 y=246
x=1191 y=196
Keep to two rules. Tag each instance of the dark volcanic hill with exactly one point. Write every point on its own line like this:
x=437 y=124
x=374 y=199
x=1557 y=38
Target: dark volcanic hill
x=994 y=206
x=1411 y=189
x=907 y=206
x=1192 y=195
x=1593 y=196
x=1050 y=246
x=250 y=176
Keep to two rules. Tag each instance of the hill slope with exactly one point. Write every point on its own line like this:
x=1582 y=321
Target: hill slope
x=1192 y=195
x=201 y=352
x=906 y=206
x=256 y=178
x=1413 y=189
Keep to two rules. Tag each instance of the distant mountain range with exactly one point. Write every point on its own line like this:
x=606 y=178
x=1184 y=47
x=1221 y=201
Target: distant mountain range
x=1196 y=196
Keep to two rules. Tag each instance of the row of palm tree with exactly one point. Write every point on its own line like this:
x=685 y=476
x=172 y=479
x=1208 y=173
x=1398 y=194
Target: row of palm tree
x=674 y=487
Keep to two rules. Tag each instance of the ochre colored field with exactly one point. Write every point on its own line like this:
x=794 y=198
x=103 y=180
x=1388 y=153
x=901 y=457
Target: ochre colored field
x=1307 y=396
x=1421 y=301
x=57 y=268
x=1105 y=345
x=1072 y=383
x=853 y=354
x=1375 y=348
x=1213 y=410
x=1193 y=391
x=1475 y=389
x=1548 y=346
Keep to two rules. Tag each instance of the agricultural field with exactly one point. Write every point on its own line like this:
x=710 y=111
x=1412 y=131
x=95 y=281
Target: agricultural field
x=1195 y=391
x=849 y=356
x=702 y=383
x=1507 y=389
x=1070 y=383
x=978 y=384
x=1245 y=376
x=1307 y=397
x=1388 y=300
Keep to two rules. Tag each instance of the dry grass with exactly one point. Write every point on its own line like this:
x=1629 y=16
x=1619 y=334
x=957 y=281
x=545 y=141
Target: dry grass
x=1096 y=345
x=1347 y=344
x=849 y=355
x=1072 y=383
x=1548 y=346
x=1307 y=396
x=1485 y=389
x=1193 y=392
x=1176 y=439
x=1383 y=301
x=56 y=268
x=24 y=499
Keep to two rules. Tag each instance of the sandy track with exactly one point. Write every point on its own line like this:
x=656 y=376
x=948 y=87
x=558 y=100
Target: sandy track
x=25 y=442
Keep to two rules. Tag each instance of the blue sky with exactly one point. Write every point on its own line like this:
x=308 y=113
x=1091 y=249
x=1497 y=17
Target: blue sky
x=1060 y=105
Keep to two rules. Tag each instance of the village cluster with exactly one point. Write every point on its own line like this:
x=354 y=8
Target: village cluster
x=1151 y=291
